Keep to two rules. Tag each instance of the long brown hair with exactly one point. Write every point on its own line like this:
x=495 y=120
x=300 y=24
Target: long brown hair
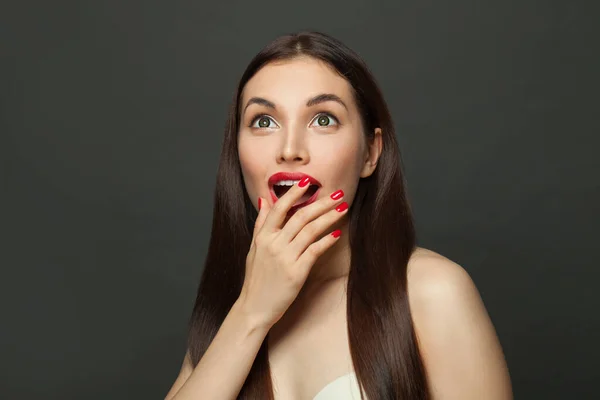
x=383 y=342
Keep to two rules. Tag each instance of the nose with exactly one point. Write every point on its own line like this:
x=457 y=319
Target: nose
x=293 y=147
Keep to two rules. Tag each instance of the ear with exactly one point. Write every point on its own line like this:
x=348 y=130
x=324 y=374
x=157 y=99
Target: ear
x=375 y=145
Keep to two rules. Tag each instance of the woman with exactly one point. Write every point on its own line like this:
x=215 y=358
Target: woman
x=313 y=285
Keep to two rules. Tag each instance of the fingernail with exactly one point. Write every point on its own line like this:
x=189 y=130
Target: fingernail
x=336 y=233
x=259 y=203
x=342 y=207
x=338 y=194
x=304 y=182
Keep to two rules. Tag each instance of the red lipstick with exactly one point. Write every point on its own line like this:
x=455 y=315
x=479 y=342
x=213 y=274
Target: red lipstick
x=293 y=176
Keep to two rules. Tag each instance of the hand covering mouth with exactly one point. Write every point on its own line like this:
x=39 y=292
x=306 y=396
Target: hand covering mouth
x=280 y=183
x=281 y=189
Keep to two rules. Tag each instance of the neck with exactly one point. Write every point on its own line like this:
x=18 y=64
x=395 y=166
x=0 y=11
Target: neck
x=334 y=263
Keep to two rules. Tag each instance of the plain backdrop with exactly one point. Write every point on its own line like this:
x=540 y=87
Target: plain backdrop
x=111 y=120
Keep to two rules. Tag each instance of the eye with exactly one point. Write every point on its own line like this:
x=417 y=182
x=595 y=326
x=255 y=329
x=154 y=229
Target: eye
x=263 y=121
x=323 y=120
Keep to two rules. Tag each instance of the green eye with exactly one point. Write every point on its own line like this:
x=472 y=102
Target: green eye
x=324 y=119
x=263 y=122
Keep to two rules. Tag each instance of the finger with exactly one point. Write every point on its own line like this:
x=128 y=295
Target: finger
x=315 y=250
x=307 y=214
x=263 y=211
x=282 y=206
x=315 y=229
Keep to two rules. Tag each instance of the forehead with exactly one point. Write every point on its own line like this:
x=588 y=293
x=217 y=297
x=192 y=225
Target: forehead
x=292 y=82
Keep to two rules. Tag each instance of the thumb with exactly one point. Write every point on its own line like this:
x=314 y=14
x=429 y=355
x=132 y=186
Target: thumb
x=263 y=211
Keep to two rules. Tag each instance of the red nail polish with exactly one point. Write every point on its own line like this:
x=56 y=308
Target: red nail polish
x=304 y=182
x=336 y=233
x=259 y=203
x=342 y=207
x=338 y=194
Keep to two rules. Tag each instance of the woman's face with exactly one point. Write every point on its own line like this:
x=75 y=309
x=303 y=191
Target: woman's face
x=281 y=130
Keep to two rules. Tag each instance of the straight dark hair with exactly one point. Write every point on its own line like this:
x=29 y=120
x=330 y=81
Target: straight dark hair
x=383 y=343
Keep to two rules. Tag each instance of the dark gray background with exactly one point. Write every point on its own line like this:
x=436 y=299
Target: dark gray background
x=112 y=115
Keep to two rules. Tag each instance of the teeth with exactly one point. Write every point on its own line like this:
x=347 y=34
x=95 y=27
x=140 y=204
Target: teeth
x=286 y=183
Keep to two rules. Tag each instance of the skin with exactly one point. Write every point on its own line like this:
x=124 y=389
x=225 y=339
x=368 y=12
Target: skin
x=308 y=346
x=337 y=154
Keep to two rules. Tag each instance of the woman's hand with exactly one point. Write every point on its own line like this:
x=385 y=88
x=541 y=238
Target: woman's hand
x=280 y=258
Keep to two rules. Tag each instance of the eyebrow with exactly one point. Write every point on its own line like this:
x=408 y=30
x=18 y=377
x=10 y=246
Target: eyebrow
x=321 y=98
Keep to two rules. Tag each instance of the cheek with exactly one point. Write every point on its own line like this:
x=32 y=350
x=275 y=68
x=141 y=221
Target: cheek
x=343 y=154
x=342 y=163
x=253 y=169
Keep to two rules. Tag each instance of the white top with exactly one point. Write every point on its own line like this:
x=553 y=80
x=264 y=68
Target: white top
x=343 y=388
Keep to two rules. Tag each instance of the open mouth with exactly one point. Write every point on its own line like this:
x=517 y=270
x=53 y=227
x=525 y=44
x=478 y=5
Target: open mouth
x=280 y=190
x=309 y=196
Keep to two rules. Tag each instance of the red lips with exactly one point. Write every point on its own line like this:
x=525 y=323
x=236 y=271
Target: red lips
x=292 y=176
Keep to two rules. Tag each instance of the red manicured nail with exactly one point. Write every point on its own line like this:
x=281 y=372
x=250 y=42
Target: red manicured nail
x=342 y=207
x=336 y=233
x=338 y=194
x=304 y=182
x=259 y=203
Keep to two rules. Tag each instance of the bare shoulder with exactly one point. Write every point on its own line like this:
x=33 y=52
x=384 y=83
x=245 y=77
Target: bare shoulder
x=457 y=340
x=441 y=294
x=433 y=280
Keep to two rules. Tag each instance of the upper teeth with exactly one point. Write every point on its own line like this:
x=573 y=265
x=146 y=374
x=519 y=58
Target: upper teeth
x=287 y=183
